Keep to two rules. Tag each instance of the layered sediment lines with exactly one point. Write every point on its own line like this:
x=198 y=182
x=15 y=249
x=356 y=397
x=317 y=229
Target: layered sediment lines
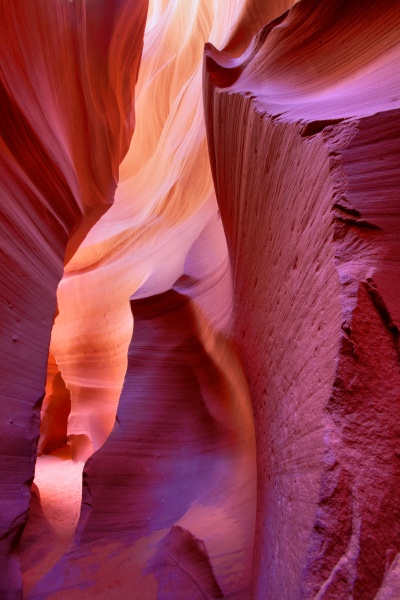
x=303 y=135
x=191 y=375
x=179 y=463
x=66 y=124
x=168 y=507
x=165 y=204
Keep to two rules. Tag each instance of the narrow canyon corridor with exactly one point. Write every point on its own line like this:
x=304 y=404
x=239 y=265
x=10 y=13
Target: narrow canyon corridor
x=200 y=300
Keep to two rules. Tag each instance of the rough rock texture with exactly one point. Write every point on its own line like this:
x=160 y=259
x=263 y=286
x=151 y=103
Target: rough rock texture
x=303 y=138
x=66 y=122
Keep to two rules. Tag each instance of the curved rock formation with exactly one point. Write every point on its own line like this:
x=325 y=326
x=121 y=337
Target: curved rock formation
x=253 y=16
x=303 y=137
x=180 y=453
x=68 y=71
x=164 y=204
x=191 y=375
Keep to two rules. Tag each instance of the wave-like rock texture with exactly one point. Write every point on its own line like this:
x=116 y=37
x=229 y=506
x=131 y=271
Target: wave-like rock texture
x=181 y=456
x=303 y=134
x=169 y=494
x=68 y=71
x=164 y=205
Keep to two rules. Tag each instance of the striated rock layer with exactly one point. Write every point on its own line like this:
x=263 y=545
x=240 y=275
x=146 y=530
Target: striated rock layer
x=179 y=464
x=170 y=340
x=303 y=138
x=164 y=205
x=68 y=71
x=168 y=502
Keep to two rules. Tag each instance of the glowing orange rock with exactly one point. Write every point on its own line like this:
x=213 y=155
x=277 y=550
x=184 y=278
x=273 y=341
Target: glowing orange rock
x=179 y=452
x=66 y=123
x=303 y=136
x=165 y=203
x=55 y=411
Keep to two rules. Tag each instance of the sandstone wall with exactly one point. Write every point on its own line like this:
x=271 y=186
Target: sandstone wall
x=303 y=136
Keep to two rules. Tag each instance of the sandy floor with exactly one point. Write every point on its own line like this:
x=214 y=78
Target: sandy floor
x=59 y=480
x=60 y=485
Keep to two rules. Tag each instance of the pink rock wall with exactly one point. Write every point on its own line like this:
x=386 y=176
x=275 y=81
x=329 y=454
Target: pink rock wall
x=178 y=455
x=223 y=366
x=66 y=122
x=302 y=136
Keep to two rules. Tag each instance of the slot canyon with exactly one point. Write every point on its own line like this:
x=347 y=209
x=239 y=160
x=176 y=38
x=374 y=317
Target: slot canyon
x=200 y=300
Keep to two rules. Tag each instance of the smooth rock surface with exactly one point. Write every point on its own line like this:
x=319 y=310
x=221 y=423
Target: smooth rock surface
x=221 y=391
x=179 y=451
x=66 y=123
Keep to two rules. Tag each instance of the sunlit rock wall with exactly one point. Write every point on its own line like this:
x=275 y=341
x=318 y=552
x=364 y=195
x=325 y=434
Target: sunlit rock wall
x=164 y=205
x=68 y=71
x=303 y=135
x=170 y=340
x=170 y=489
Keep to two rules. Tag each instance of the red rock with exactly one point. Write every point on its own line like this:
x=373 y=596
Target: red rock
x=301 y=305
x=182 y=557
x=181 y=454
x=302 y=135
x=55 y=411
x=254 y=15
x=66 y=124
